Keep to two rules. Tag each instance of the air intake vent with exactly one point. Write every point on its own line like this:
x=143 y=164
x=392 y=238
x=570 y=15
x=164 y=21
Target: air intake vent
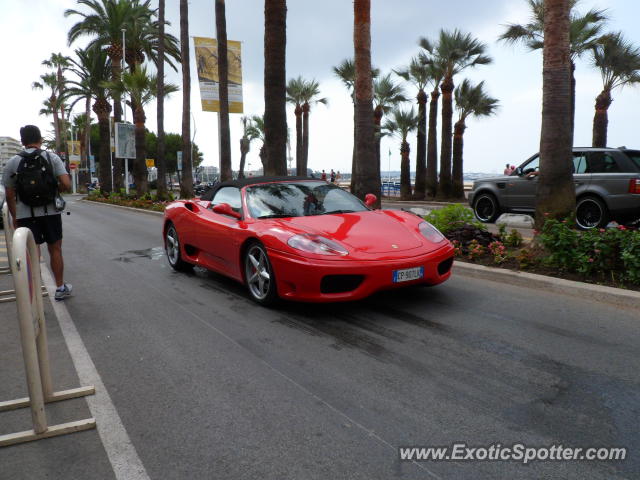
x=340 y=283
x=445 y=266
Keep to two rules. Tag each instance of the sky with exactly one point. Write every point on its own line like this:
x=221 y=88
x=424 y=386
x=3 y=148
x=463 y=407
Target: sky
x=320 y=36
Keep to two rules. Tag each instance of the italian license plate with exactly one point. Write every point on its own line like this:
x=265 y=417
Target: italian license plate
x=408 y=274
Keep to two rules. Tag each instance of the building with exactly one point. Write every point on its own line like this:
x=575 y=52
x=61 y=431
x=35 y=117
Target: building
x=9 y=147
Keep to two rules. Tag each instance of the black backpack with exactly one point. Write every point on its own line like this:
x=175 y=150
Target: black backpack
x=36 y=185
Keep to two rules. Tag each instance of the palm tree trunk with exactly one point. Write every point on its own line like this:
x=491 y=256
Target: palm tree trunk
x=405 y=171
x=421 y=148
x=377 y=130
x=244 y=149
x=600 y=119
x=305 y=136
x=367 y=169
x=457 y=164
x=573 y=100
x=56 y=123
x=299 y=147
x=102 y=109
x=223 y=76
x=86 y=140
x=186 y=183
x=161 y=160
x=432 y=145
x=352 y=184
x=140 y=172
x=275 y=83
x=556 y=192
x=445 y=188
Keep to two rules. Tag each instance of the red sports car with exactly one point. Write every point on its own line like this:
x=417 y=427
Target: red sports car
x=303 y=239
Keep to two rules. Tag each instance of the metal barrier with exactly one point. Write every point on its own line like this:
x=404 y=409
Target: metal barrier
x=25 y=265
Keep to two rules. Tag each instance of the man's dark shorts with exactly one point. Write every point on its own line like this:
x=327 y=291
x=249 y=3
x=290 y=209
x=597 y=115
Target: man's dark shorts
x=45 y=229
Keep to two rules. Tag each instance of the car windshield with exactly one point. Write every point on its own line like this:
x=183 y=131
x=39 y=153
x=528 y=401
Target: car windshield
x=299 y=199
x=635 y=156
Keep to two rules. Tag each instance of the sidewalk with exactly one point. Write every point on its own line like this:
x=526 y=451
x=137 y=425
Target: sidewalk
x=76 y=455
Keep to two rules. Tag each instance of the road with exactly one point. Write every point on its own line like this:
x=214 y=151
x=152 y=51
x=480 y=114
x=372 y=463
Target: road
x=209 y=385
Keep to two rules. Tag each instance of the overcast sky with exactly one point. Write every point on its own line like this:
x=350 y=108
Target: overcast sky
x=319 y=36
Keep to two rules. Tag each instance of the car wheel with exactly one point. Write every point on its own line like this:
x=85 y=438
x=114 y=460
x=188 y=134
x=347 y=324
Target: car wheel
x=486 y=208
x=172 y=247
x=258 y=274
x=591 y=212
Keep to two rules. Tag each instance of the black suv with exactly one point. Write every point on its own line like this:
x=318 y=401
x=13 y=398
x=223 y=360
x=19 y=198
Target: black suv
x=607 y=182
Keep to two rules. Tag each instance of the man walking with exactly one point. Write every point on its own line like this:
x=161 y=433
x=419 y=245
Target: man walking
x=33 y=180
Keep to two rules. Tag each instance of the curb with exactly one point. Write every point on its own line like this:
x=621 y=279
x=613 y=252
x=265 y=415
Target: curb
x=131 y=209
x=599 y=293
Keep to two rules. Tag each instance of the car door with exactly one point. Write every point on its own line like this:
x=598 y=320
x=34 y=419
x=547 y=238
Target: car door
x=520 y=190
x=219 y=241
x=607 y=176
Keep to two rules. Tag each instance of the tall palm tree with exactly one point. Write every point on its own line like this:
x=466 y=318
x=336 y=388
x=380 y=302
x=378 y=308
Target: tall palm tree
x=186 y=182
x=275 y=86
x=59 y=63
x=556 y=193
x=294 y=96
x=245 y=144
x=401 y=123
x=386 y=95
x=310 y=96
x=50 y=81
x=346 y=72
x=419 y=74
x=256 y=131
x=619 y=63
x=161 y=160
x=367 y=169
x=471 y=100
x=141 y=87
x=454 y=52
x=223 y=76
x=584 y=33
x=93 y=71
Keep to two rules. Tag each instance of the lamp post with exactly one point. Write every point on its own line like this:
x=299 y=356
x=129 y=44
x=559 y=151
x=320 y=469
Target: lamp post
x=124 y=110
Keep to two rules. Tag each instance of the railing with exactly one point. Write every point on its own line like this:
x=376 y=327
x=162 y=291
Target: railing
x=25 y=267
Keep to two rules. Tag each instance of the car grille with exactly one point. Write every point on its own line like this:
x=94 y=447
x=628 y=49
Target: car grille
x=340 y=283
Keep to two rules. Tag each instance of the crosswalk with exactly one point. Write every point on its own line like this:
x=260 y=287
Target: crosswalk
x=4 y=261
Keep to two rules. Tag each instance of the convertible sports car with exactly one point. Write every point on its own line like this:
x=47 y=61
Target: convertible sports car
x=303 y=239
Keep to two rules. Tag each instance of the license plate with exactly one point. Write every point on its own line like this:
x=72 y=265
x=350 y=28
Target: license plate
x=408 y=274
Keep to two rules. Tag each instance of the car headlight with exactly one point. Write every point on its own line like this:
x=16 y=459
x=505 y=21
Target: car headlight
x=316 y=244
x=431 y=233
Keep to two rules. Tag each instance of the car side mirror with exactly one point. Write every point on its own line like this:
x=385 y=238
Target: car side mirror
x=225 y=209
x=370 y=199
x=519 y=171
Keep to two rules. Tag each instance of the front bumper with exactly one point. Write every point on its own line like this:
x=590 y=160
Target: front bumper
x=300 y=278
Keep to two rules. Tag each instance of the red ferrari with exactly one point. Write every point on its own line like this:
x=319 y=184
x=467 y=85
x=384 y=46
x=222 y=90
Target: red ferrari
x=303 y=239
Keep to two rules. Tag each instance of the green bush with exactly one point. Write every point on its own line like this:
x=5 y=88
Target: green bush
x=452 y=216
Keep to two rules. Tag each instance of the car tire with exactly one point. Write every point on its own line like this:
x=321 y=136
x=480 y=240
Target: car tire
x=172 y=248
x=591 y=212
x=259 y=276
x=485 y=208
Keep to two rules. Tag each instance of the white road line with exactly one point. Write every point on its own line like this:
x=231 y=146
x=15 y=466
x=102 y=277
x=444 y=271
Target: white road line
x=122 y=454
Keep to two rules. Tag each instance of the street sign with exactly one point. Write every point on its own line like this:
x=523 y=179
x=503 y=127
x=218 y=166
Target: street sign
x=73 y=166
x=179 y=161
x=150 y=162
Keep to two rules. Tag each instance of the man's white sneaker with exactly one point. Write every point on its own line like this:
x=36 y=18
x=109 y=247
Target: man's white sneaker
x=64 y=291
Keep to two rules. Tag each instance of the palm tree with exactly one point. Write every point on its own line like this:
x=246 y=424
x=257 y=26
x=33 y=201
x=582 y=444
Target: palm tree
x=223 y=76
x=245 y=144
x=50 y=81
x=59 y=63
x=454 y=52
x=367 y=169
x=310 y=94
x=401 y=123
x=556 y=193
x=294 y=96
x=93 y=71
x=346 y=72
x=470 y=101
x=141 y=87
x=386 y=95
x=186 y=182
x=419 y=74
x=256 y=131
x=619 y=63
x=161 y=160
x=275 y=86
x=584 y=34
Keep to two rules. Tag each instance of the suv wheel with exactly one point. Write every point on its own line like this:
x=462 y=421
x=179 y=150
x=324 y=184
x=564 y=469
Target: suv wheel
x=591 y=212
x=485 y=208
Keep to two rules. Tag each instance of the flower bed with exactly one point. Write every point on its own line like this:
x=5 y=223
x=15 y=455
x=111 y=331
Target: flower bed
x=146 y=202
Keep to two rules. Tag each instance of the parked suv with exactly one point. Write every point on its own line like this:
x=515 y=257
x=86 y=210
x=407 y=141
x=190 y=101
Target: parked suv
x=607 y=182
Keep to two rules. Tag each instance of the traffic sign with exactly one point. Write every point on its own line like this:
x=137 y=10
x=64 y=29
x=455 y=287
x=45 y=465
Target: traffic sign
x=73 y=166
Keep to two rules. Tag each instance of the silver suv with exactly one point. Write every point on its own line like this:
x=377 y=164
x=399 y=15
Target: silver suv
x=607 y=182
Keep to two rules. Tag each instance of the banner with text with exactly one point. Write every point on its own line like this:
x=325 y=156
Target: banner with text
x=206 y=50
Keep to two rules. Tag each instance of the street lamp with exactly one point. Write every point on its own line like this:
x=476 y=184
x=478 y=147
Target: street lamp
x=124 y=108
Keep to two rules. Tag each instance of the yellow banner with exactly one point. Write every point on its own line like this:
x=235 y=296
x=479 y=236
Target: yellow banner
x=206 y=51
x=150 y=162
x=73 y=147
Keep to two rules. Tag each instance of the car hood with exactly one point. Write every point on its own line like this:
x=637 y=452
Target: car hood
x=369 y=232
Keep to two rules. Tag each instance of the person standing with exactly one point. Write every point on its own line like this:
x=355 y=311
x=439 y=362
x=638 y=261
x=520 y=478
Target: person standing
x=33 y=180
x=333 y=176
x=323 y=176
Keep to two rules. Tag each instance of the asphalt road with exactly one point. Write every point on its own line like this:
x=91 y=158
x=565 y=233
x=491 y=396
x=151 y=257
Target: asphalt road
x=209 y=385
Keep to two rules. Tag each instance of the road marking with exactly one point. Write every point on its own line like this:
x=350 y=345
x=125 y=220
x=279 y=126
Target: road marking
x=122 y=454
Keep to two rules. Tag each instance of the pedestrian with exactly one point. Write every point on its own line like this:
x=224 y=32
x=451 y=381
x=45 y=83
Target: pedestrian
x=507 y=170
x=33 y=180
x=323 y=176
x=333 y=176
x=338 y=177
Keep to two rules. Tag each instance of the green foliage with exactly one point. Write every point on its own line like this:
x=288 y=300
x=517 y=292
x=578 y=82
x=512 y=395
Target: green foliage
x=452 y=216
